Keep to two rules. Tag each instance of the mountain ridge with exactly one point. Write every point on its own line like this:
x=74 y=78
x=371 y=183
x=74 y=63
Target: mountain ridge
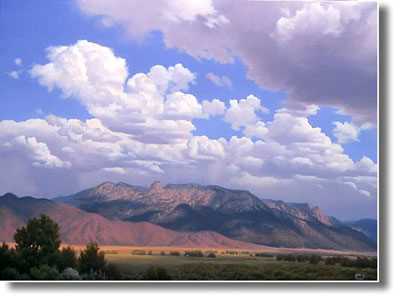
x=80 y=227
x=237 y=214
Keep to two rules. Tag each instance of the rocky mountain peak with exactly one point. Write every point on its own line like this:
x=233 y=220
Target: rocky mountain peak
x=321 y=216
x=110 y=191
x=105 y=186
x=9 y=195
x=156 y=187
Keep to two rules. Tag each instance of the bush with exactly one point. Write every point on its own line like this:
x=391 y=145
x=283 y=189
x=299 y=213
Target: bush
x=112 y=272
x=263 y=254
x=302 y=258
x=91 y=260
x=174 y=253
x=138 y=252
x=194 y=253
x=111 y=252
x=314 y=259
x=156 y=273
x=93 y=276
x=70 y=274
x=211 y=255
x=150 y=253
x=359 y=262
x=287 y=258
x=9 y=273
x=231 y=252
x=44 y=272
x=67 y=259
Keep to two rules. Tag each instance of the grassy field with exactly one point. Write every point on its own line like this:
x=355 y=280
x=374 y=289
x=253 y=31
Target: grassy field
x=232 y=267
x=158 y=263
x=272 y=250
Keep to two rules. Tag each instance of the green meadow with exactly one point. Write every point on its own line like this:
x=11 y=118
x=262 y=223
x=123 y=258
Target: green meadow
x=239 y=267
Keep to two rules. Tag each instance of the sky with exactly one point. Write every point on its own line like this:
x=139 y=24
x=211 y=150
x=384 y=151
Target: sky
x=279 y=98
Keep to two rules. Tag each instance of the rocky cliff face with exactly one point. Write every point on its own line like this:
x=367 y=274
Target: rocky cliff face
x=302 y=211
x=237 y=214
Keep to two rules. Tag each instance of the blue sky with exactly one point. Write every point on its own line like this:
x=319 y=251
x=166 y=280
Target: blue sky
x=28 y=28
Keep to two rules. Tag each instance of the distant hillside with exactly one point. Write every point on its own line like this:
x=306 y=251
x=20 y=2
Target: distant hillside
x=237 y=214
x=302 y=211
x=367 y=226
x=80 y=227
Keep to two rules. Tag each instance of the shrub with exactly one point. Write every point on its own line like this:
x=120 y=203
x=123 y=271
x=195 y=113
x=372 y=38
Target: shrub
x=211 y=255
x=302 y=258
x=138 y=252
x=67 y=259
x=112 y=272
x=44 y=272
x=156 y=273
x=9 y=273
x=91 y=260
x=174 y=253
x=263 y=254
x=231 y=252
x=314 y=259
x=194 y=253
x=111 y=252
x=359 y=262
x=287 y=258
x=70 y=274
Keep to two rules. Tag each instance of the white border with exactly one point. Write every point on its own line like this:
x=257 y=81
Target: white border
x=377 y=281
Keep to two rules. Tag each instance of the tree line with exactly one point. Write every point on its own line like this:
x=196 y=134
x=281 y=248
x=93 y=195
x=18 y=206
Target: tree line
x=37 y=256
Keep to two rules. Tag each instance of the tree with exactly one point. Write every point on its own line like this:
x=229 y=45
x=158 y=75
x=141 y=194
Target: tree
x=92 y=260
x=67 y=259
x=37 y=243
x=7 y=257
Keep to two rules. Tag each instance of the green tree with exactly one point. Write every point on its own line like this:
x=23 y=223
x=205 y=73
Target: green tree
x=37 y=243
x=67 y=258
x=92 y=260
x=7 y=257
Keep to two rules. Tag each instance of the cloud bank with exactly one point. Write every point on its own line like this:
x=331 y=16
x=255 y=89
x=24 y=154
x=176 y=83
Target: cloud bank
x=322 y=53
x=141 y=129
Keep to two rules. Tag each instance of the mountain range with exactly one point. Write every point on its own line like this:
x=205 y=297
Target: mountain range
x=366 y=226
x=236 y=214
x=186 y=215
x=80 y=227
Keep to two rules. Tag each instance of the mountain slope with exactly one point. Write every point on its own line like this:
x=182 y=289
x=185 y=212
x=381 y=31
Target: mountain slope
x=236 y=214
x=367 y=226
x=80 y=227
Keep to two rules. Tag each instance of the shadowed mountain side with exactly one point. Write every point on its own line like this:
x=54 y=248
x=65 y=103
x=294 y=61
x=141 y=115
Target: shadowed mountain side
x=237 y=214
x=368 y=226
x=80 y=227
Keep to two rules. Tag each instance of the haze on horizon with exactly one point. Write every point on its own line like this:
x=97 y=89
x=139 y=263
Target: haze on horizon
x=276 y=98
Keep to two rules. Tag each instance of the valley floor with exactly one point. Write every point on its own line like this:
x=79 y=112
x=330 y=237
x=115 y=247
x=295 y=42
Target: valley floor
x=234 y=251
x=230 y=264
x=240 y=267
